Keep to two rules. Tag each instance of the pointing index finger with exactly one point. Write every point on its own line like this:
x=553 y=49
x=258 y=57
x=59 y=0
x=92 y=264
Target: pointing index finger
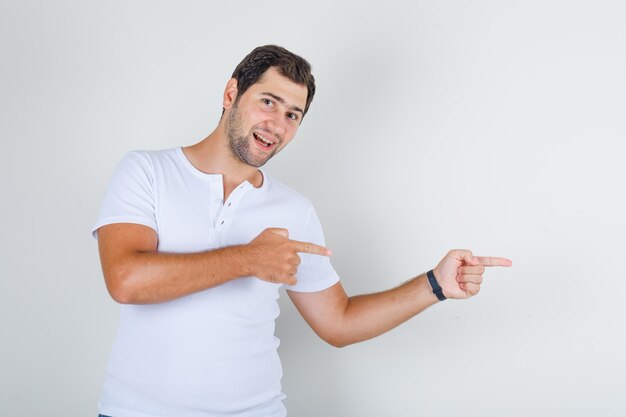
x=494 y=261
x=308 y=247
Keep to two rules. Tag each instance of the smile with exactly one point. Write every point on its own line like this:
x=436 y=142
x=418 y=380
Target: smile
x=264 y=142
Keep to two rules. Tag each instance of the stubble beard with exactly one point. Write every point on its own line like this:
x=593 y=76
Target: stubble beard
x=239 y=143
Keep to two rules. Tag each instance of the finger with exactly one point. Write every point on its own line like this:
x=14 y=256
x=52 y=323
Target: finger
x=474 y=279
x=469 y=259
x=291 y=280
x=494 y=261
x=308 y=247
x=279 y=231
x=470 y=288
x=478 y=269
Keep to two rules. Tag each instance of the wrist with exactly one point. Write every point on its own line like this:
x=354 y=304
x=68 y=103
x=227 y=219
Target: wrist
x=240 y=260
x=434 y=284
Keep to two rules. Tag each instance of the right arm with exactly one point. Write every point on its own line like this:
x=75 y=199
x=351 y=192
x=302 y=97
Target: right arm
x=135 y=273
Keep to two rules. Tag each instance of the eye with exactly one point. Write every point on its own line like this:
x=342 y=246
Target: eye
x=267 y=102
x=292 y=116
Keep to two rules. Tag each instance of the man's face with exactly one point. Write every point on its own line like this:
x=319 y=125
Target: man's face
x=265 y=118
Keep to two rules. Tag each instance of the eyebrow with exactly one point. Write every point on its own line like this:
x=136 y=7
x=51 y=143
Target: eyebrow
x=282 y=101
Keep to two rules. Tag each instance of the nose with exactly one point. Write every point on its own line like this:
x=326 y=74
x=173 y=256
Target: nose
x=276 y=124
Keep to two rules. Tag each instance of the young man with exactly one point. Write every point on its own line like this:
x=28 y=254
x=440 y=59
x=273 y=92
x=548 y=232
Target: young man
x=195 y=243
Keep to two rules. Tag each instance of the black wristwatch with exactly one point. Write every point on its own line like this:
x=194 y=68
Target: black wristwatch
x=436 y=287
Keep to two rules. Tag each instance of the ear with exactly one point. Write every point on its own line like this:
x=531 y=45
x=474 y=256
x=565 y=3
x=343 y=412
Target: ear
x=230 y=93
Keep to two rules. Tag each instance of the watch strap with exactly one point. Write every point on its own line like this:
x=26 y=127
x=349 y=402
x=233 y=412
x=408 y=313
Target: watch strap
x=435 y=285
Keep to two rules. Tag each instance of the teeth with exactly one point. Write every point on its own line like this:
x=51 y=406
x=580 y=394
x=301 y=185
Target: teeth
x=267 y=142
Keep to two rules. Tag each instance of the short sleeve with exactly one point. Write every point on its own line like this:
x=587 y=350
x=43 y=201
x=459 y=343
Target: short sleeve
x=315 y=272
x=129 y=197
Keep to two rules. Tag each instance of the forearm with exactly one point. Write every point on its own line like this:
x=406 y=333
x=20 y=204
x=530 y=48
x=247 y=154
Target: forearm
x=135 y=273
x=154 y=277
x=341 y=320
x=368 y=316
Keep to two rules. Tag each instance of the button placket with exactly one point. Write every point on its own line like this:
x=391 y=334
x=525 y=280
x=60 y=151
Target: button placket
x=217 y=192
x=232 y=201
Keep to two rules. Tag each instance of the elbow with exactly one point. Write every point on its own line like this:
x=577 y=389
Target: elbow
x=119 y=285
x=338 y=344
x=121 y=297
x=336 y=340
x=339 y=333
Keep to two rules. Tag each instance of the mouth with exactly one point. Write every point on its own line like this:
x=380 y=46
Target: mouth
x=263 y=141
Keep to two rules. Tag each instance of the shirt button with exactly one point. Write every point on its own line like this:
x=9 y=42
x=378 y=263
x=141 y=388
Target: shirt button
x=230 y=203
x=222 y=222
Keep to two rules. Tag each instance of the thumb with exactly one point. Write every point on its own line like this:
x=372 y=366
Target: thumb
x=470 y=259
x=282 y=232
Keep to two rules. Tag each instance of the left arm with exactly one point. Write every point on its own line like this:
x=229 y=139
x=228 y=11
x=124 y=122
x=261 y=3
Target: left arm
x=341 y=320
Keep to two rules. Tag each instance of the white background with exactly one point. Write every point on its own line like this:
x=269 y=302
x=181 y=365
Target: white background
x=489 y=125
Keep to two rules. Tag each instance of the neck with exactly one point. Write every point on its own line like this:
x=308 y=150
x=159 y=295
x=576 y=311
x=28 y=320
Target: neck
x=212 y=155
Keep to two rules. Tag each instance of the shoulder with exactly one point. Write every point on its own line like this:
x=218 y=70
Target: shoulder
x=147 y=160
x=278 y=190
x=150 y=156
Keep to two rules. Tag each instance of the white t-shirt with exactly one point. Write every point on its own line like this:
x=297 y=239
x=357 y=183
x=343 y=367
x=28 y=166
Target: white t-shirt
x=212 y=353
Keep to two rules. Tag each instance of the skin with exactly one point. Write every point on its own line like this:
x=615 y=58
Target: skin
x=135 y=273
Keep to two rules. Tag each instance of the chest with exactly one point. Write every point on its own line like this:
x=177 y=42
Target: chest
x=194 y=217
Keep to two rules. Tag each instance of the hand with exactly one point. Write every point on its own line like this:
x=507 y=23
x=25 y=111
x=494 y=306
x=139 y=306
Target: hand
x=460 y=273
x=274 y=258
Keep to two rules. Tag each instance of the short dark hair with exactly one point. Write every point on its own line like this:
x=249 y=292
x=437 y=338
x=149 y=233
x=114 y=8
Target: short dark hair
x=288 y=64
